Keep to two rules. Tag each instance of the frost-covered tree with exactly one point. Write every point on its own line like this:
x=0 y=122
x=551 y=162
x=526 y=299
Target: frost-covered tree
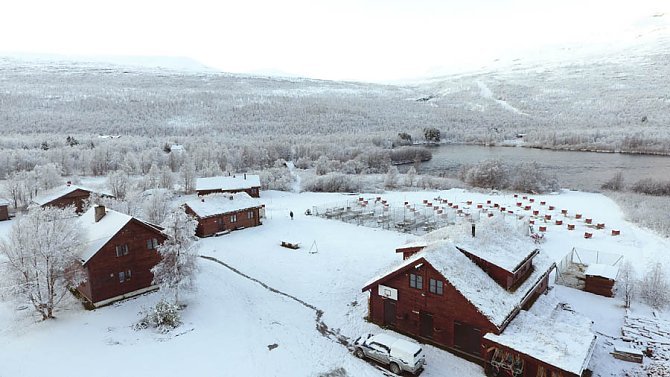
x=626 y=283
x=187 y=175
x=391 y=179
x=118 y=183
x=153 y=177
x=487 y=174
x=322 y=166
x=654 y=286
x=410 y=177
x=42 y=255
x=49 y=175
x=156 y=205
x=166 y=180
x=177 y=268
x=616 y=183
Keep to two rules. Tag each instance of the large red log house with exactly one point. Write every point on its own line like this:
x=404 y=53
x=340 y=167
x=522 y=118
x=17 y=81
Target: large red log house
x=463 y=297
x=219 y=213
x=249 y=183
x=119 y=253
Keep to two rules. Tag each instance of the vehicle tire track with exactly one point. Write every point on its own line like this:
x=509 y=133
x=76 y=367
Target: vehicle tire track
x=321 y=326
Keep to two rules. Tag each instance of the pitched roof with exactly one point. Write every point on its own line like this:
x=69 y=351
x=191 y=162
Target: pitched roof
x=602 y=270
x=497 y=241
x=489 y=298
x=216 y=204
x=4 y=202
x=235 y=182
x=57 y=192
x=97 y=234
x=552 y=333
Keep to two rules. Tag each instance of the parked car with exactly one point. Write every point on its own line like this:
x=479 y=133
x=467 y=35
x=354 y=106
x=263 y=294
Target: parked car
x=398 y=354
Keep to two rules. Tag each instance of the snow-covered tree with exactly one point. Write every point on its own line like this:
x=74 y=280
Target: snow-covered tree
x=187 y=175
x=153 y=177
x=156 y=206
x=391 y=179
x=176 y=270
x=166 y=178
x=410 y=177
x=42 y=255
x=49 y=175
x=626 y=283
x=119 y=183
x=654 y=286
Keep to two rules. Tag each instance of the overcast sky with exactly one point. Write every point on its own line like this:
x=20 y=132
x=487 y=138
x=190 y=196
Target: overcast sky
x=368 y=40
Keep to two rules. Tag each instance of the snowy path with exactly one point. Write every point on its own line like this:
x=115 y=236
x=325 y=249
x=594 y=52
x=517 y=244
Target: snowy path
x=296 y=181
x=487 y=93
x=320 y=325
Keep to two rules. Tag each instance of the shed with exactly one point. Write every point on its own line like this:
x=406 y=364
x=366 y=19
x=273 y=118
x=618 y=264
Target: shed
x=4 y=209
x=249 y=183
x=600 y=279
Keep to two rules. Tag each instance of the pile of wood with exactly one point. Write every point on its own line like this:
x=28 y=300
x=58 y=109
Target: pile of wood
x=651 y=335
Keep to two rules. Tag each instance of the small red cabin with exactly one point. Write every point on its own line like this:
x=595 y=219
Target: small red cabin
x=119 y=253
x=4 y=210
x=600 y=279
x=219 y=213
x=249 y=183
x=66 y=195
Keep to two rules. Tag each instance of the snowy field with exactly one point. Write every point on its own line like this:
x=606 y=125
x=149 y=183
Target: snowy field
x=267 y=322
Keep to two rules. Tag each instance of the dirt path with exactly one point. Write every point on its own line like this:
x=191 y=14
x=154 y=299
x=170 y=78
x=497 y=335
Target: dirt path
x=321 y=326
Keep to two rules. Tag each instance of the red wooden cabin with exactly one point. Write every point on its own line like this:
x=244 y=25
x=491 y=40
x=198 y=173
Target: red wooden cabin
x=66 y=195
x=447 y=296
x=249 y=183
x=4 y=210
x=219 y=213
x=119 y=254
x=600 y=279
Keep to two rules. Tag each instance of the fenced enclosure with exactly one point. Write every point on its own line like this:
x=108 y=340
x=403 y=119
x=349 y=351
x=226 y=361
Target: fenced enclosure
x=571 y=269
x=411 y=218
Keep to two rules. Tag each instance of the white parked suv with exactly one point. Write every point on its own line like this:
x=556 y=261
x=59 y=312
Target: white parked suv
x=398 y=354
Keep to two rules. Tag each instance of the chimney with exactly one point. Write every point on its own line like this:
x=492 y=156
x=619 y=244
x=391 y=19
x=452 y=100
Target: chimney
x=245 y=176
x=473 y=230
x=69 y=183
x=99 y=212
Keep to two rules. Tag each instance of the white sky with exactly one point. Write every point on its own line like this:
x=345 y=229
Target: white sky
x=368 y=40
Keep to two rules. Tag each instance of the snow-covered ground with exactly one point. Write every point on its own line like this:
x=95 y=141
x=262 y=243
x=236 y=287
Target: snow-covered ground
x=232 y=319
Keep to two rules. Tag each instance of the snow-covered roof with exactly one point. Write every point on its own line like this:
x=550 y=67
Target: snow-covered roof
x=235 y=182
x=551 y=333
x=413 y=244
x=57 y=192
x=496 y=241
x=97 y=234
x=602 y=270
x=490 y=299
x=4 y=202
x=216 y=204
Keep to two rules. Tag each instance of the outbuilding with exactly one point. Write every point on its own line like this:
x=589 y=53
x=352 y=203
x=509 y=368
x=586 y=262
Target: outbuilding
x=600 y=279
x=249 y=183
x=4 y=209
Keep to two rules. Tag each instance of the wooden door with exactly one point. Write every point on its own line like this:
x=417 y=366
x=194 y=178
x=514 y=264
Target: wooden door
x=389 y=312
x=426 y=325
x=467 y=338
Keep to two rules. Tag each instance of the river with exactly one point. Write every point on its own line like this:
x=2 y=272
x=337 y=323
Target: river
x=574 y=170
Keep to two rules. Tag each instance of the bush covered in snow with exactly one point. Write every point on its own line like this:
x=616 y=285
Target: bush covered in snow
x=654 y=286
x=164 y=317
x=651 y=186
x=495 y=174
x=333 y=182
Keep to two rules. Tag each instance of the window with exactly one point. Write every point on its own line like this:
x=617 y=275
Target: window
x=250 y=214
x=233 y=218
x=152 y=244
x=436 y=286
x=124 y=276
x=416 y=281
x=121 y=250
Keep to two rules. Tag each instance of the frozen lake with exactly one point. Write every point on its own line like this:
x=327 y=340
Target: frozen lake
x=575 y=170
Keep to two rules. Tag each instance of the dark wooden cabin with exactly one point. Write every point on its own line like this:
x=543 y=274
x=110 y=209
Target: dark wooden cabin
x=119 y=255
x=442 y=296
x=249 y=183
x=66 y=195
x=4 y=210
x=600 y=279
x=220 y=213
